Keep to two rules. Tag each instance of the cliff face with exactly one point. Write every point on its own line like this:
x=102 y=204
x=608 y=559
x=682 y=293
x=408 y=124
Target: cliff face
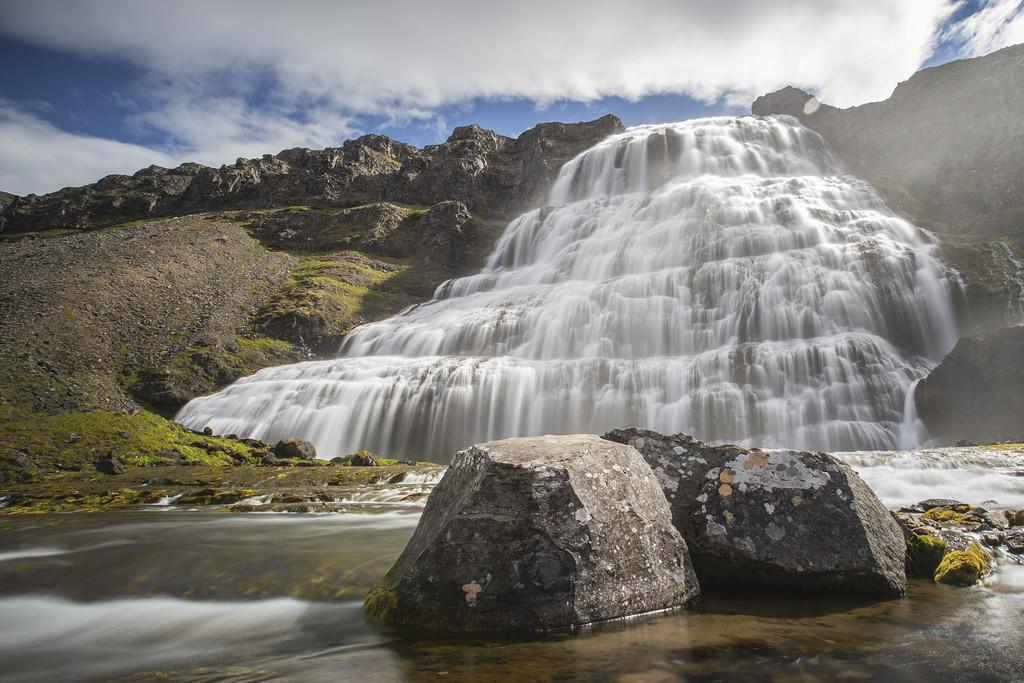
x=976 y=392
x=947 y=146
x=946 y=150
x=493 y=175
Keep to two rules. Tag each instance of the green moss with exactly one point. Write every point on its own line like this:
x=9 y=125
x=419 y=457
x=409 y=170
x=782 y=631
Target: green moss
x=381 y=602
x=81 y=438
x=963 y=567
x=259 y=352
x=953 y=515
x=924 y=554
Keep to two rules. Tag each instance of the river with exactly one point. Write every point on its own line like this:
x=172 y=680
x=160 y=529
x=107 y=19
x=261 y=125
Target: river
x=201 y=595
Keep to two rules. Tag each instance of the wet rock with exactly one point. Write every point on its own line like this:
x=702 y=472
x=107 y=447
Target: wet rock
x=364 y=459
x=269 y=460
x=932 y=503
x=293 y=448
x=1014 y=541
x=536 y=534
x=1014 y=518
x=964 y=567
x=775 y=519
x=110 y=465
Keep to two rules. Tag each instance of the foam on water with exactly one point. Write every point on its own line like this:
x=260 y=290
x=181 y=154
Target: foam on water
x=721 y=277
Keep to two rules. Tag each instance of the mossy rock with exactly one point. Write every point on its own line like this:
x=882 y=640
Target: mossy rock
x=924 y=554
x=963 y=567
x=953 y=515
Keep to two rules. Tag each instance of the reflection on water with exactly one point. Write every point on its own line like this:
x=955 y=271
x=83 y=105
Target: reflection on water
x=230 y=597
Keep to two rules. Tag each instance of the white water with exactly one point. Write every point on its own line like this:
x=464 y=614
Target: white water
x=720 y=277
x=986 y=477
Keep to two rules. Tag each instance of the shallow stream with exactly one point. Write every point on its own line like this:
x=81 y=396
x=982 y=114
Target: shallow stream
x=218 y=596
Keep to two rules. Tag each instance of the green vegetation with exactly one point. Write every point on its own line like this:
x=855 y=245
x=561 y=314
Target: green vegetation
x=963 y=567
x=79 y=439
x=381 y=601
x=924 y=554
x=953 y=515
x=329 y=294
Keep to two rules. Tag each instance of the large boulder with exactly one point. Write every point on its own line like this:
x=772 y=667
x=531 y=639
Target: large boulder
x=535 y=534
x=775 y=519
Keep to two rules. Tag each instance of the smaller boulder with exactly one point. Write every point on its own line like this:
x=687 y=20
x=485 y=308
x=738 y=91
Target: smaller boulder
x=293 y=448
x=110 y=465
x=338 y=460
x=269 y=460
x=364 y=459
x=925 y=552
x=778 y=519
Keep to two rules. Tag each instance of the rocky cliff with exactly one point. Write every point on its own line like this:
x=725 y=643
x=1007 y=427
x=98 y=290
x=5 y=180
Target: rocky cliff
x=947 y=150
x=977 y=392
x=491 y=174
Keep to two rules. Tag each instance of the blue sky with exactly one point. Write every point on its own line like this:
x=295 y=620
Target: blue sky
x=89 y=88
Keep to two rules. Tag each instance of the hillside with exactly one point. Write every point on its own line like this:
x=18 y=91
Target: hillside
x=109 y=307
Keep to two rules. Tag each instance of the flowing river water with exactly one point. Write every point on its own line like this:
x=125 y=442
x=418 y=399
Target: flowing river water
x=242 y=597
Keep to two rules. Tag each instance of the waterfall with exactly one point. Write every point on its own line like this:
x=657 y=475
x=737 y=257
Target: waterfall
x=720 y=276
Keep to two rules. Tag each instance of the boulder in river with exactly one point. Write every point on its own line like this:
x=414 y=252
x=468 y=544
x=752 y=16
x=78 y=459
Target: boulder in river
x=294 y=449
x=775 y=519
x=535 y=534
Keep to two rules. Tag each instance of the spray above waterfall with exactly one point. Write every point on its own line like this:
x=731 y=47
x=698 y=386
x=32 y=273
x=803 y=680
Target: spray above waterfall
x=719 y=276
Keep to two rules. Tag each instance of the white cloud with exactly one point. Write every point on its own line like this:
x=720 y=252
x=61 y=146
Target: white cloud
x=243 y=77
x=37 y=157
x=998 y=24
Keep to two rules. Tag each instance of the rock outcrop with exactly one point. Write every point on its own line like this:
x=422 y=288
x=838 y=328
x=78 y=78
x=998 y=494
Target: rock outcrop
x=946 y=149
x=976 y=392
x=535 y=534
x=947 y=145
x=491 y=174
x=774 y=519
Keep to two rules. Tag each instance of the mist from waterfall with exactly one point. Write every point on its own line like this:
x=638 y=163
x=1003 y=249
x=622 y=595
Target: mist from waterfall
x=720 y=277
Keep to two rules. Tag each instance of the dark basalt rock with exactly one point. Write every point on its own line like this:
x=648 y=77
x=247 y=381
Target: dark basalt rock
x=535 y=534
x=110 y=465
x=292 y=448
x=976 y=389
x=775 y=519
x=490 y=174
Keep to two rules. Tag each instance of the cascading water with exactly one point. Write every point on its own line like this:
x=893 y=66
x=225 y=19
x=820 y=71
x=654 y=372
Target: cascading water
x=1012 y=271
x=718 y=276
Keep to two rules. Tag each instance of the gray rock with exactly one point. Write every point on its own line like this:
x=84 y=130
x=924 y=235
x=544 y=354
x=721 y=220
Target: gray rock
x=293 y=448
x=536 y=534
x=269 y=460
x=775 y=519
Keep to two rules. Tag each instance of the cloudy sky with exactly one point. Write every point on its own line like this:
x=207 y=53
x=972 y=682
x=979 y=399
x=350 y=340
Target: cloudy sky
x=104 y=86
